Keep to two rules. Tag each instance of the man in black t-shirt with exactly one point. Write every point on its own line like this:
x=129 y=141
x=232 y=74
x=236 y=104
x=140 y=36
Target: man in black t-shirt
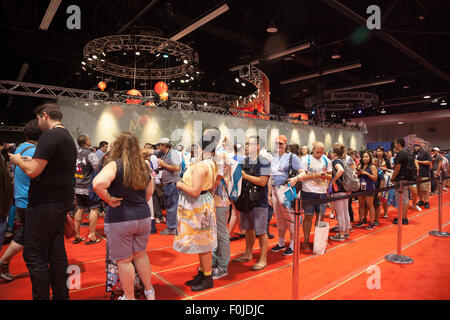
x=423 y=159
x=256 y=170
x=401 y=175
x=51 y=195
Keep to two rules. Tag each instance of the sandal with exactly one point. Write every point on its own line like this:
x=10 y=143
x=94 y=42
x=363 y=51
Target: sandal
x=257 y=268
x=78 y=240
x=241 y=259
x=92 y=241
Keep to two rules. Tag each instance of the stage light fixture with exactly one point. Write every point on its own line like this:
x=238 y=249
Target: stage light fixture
x=165 y=56
x=83 y=63
x=137 y=53
x=89 y=58
x=272 y=28
x=158 y=54
x=243 y=84
x=427 y=97
x=94 y=56
x=185 y=61
x=359 y=111
x=383 y=111
x=205 y=104
x=236 y=79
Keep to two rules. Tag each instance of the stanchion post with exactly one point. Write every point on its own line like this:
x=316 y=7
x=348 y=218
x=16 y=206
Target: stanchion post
x=439 y=232
x=398 y=258
x=297 y=213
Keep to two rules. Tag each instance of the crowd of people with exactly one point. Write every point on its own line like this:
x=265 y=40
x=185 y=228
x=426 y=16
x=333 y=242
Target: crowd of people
x=202 y=193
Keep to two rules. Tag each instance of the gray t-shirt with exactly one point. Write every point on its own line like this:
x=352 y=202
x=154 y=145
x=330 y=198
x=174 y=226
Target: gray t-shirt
x=170 y=158
x=435 y=162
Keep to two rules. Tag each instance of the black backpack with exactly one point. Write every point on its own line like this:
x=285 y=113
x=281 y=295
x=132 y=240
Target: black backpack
x=249 y=197
x=411 y=169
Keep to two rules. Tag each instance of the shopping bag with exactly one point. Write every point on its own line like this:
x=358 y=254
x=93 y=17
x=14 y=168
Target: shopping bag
x=289 y=195
x=69 y=227
x=321 y=237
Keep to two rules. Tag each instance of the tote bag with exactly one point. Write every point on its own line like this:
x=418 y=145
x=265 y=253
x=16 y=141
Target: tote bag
x=321 y=237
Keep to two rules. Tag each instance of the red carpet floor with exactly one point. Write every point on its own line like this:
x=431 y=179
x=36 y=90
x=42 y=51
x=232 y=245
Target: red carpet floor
x=351 y=270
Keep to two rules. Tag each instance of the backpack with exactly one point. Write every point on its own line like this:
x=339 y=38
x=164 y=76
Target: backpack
x=411 y=169
x=350 y=181
x=249 y=196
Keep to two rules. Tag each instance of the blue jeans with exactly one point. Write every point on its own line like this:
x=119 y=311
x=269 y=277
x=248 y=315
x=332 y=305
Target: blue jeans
x=170 y=192
x=221 y=254
x=44 y=252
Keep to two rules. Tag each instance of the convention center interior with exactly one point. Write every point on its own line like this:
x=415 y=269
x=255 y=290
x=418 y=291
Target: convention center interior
x=225 y=150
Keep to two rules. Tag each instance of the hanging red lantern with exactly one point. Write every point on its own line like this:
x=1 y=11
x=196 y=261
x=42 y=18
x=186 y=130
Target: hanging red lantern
x=161 y=87
x=164 y=96
x=102 y=85
x=134 y=92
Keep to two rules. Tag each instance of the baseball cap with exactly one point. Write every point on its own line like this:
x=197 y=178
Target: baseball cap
x=281 y=138
x=163 y=141
x=436 y=149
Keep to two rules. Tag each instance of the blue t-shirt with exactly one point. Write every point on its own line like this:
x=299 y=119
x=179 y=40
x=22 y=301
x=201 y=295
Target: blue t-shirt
x=258 y=169
x=21 y=180
x=280 y=167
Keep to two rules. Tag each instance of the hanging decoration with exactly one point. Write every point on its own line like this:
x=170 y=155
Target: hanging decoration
x=164 y=96
x=134 y=92
x=102 y=85
x=161 y=87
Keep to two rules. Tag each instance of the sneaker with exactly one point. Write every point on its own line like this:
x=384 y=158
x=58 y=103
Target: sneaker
x=217 y=273
x=360 y=224
x=426 y=205
x=288 y=252
x=270 y=236
x=4 y=272
x=418 y=208
x=207 y=282
x=338 y=237
x=347 y=236
x=123 y=297
x=167 y=232
x=150 y=295
x=395 y=221
x=157 y=220
x=371 y=226
x=277 y=248
x=420 y=203
x=376 y=223
x=405 y=221
x=386 y=216
x=331 y=216
x=334 y=229
x=197 y=279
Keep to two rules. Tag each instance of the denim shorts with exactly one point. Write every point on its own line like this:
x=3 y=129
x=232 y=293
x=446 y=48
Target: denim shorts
x=310 y=209
x=127 y=237
x=257 y=220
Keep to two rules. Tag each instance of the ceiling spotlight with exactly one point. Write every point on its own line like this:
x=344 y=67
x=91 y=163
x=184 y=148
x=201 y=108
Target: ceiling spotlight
x=421 y=17
x=272 y=28
x=182 y=81
x=90 y=59
x=313 y=112
x=83 y=63
x=400 y=122
x=406 y=86
x=426 y=97
x=103 y=53
x=254 y=95
x=243 y=84
x=185 y=61
x=198 y=72
x=359 y=111
x=443 y=103
x=172 y=81
x=205 y=104
x=158 y=54
x=383 y=111
x=192 y=78
x=102 y=60
x=94 y=56
x=236 y=79
x=165 y=56
x=138 y=53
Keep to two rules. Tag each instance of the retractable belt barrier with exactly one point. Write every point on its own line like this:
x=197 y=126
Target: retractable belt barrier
x=395 y=258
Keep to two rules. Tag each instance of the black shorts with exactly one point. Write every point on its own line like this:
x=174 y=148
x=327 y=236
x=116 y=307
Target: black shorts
x=83 y=202
x=19 y=236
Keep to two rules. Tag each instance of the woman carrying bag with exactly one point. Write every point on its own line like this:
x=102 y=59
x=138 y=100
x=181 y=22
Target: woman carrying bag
x=196 y=214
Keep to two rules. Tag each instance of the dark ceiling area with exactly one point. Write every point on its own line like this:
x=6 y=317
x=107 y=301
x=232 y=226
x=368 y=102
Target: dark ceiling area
x=411 y=47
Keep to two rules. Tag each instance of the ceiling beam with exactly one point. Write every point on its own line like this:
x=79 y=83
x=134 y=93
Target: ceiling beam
x=49 y=14
x=336 y=5
x=140 y=14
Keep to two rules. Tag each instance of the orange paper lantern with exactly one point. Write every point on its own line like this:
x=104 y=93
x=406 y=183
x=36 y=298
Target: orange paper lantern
x=164 y=96
x=102 y=85
x=161 y=87
x=134 y=92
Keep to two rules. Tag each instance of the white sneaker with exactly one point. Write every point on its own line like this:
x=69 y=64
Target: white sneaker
x=418 y=208
x=217 y=273
x=123 y=297
x=150 y=295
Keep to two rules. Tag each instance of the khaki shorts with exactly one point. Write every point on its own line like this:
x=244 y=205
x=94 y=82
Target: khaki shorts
x=426 y=186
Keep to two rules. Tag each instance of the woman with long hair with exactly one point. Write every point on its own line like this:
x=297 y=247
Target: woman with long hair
x=385 y=166
x=368 y=174
x=6 y=197
x=197 y=214
x=125 y=184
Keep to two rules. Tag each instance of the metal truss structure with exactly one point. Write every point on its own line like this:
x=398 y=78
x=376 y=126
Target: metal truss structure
x=11 y=129
x=254 y=76
x=97 y=56
x=198 y=101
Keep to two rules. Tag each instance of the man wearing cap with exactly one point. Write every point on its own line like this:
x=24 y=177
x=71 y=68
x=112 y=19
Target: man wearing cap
x=436 y=167
x=170 y=164
x=278 y=185
x=423 y=159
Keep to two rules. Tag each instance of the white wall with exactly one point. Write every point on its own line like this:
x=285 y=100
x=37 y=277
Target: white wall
x=386 y=128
